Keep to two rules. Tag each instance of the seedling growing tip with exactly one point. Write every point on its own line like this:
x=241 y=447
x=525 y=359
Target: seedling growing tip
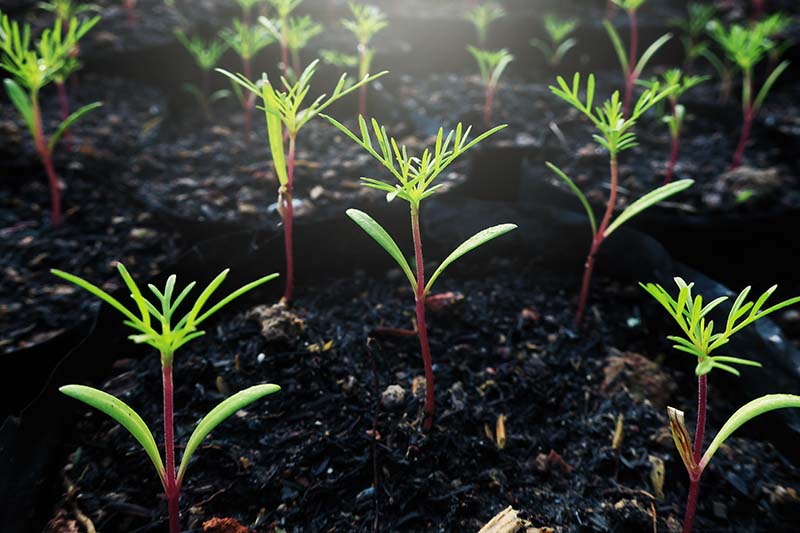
x=206 y=56
x=155 y=325
x=560 y=42
x=415 y=177
x=283 y=106
x=367 y=21
x=615 y=135
x=699 y=339
x=482 y=16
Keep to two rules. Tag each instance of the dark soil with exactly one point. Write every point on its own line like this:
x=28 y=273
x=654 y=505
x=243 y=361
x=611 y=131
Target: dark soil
x=328 y=454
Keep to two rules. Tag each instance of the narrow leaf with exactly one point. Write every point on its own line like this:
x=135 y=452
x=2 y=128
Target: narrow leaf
x=374 y=230
x=647 y=201
x=582 y=197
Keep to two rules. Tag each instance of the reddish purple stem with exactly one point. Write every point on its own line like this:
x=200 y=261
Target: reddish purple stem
x=744 y=138
x=64 y=101
x=171 y=488
x=287 y=222
x=487 y=108
x=630 y=78
x=47 y=160
x=430 y=396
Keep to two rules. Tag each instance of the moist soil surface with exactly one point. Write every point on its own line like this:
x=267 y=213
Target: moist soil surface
x=339 y=448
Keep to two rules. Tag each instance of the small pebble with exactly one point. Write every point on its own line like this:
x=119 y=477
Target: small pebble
x=393 y=397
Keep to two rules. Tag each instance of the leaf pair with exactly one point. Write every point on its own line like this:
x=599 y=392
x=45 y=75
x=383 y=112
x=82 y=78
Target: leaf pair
x=637 y=69
x=700 y=339
x=374 y=230
x=645 y=202
x=131 y=421
x=491 y=63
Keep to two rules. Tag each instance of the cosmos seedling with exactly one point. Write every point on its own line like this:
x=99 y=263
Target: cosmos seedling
x=560 y=42
x=482 y=16
x=206 y=56
x=615 y=134
x=66 y=10
x=33 y=67
x=674 y=117
x=693 y=31
x=491 y=65
x=366 y=22
x=283 y=8
x=155 y=325
x=284 y=109
x=299 y=33
x=632 y=65
x=746 y=47
x=247 y=41
x=415 y=182
x=700 y=340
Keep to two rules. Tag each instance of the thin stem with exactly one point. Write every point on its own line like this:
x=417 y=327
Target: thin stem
x=47 y=160
x=702 y=392
x=64 y=102
x=130 y=9
x=284 y=50
x=691 y=505
x=172 y=490
x=204 y=89
x=430 y=396
x=362 y=69
x=249 y=101
x=287 y=220
x=487 y=109
x=630 y=79
x=597 y=240
x=743 y=139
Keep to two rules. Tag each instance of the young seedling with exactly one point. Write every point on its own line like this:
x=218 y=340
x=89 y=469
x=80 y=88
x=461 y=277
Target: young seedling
x=674 y=117
x=247 y=41
x=66 y=10
x=247 y=7
x=415 y=177
x=283 y=8
x=154 y=324
x=299 y=32
x=632 y=65
x=746 y=47
x=560 y=42
x=283 y=106
x=693 y=31
x=482 y=16
x=492 y=65
x=700 y=340
x=367 y=21
x=615 y=134
x=206 y=56
x=33 y=67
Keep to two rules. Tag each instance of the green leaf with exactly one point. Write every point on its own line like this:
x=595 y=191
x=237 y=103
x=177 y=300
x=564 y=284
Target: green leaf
x=69 y=121
x=651 y=50
x=275 y=133
x=97 y=291
x=217 y=415
x=618 y=48
x=235 y=294
x=470 y=244
x=770 y=81
x=578 y=193
x=124 y=415
x=22 y=102
x=647 y=201
x=757 y=407
x=374 y=230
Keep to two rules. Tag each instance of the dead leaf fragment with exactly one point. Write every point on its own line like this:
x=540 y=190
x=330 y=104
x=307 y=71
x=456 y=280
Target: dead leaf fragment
x=657 y=475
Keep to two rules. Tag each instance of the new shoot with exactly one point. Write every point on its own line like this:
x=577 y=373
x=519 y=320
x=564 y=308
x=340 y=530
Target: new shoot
x=247 y=41
x=632 y=65
x=674 y=116
x=286 y=109
x=700 y=340
x=32 y=67
x=366 y=22
x=482 y=16
x=746 y=47
x=206 y=56
x=415 y=182
x=693 y=31
x=491 y=65
x=155 y=324
x=615 y=134
x=560 y=42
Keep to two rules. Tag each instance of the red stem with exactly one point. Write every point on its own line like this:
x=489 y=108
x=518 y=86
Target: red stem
x=131 y=11
x=287 y=222
x=172 y=489
x=702 y=392
x=487 y=109
x=47 y=161
x=758 y=9
x=691 y=505
x=249 y=103
x=430 y=396
x=673 y=159
x=64 y=101
x=630 y=79
x=596 y=242
x=748 y=122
